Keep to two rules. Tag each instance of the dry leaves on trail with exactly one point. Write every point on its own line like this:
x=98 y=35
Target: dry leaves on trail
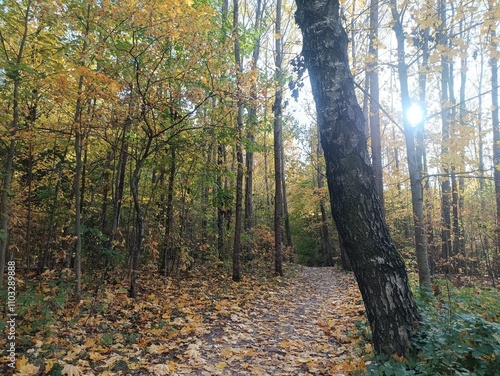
x=305 y=328
x=300 y=325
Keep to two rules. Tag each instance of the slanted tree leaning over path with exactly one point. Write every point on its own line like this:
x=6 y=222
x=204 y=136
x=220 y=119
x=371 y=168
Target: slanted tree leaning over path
x=377 y=265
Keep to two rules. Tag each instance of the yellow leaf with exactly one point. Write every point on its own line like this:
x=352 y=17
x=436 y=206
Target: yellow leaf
x=400 y=359
x=95 y=356
x=25 y=369
x=89 y=342
x=368 y=348
x=111 y=361
x=49 y=363
x=226 y=352
x=71 y=356
x=221 y=365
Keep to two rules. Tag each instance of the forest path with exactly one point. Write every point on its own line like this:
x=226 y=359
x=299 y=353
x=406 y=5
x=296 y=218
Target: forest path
x=307 y=327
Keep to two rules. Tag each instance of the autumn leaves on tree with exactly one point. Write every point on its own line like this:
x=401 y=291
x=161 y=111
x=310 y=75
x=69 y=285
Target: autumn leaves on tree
x=141 y=137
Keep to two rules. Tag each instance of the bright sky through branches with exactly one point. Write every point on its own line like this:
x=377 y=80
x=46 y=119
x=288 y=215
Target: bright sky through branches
x=415 y=114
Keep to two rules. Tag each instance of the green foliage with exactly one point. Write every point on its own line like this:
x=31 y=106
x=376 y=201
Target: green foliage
x=452 y=340
x=305 y=240
x=98 y=247
x=40 y=304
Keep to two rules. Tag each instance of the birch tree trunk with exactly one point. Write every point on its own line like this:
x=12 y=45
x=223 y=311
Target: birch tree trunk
x=377 y=265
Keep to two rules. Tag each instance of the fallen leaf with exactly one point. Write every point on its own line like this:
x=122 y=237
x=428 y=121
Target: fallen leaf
x=192 y=351
x=160 y=369
x=24 y=368
x=70 y=370
x=221 y=365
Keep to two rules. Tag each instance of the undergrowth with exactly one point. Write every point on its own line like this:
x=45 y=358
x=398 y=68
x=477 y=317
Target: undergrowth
x=459 y=336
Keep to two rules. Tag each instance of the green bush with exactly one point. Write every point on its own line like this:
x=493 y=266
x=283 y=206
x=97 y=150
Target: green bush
x=449 y=344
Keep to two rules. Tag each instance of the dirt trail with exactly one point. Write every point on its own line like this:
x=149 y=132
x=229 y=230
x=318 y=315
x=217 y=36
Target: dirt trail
x=305 y=328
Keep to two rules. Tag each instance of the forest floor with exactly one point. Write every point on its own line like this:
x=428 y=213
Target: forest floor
x=309 y=322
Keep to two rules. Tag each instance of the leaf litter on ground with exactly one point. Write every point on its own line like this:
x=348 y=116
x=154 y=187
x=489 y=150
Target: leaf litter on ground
x=204 y=324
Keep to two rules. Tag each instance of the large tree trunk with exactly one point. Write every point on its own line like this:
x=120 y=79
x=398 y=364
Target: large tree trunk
x=377 y=265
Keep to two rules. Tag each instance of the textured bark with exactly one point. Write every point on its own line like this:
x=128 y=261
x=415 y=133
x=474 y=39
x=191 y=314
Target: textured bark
x=377 y=265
